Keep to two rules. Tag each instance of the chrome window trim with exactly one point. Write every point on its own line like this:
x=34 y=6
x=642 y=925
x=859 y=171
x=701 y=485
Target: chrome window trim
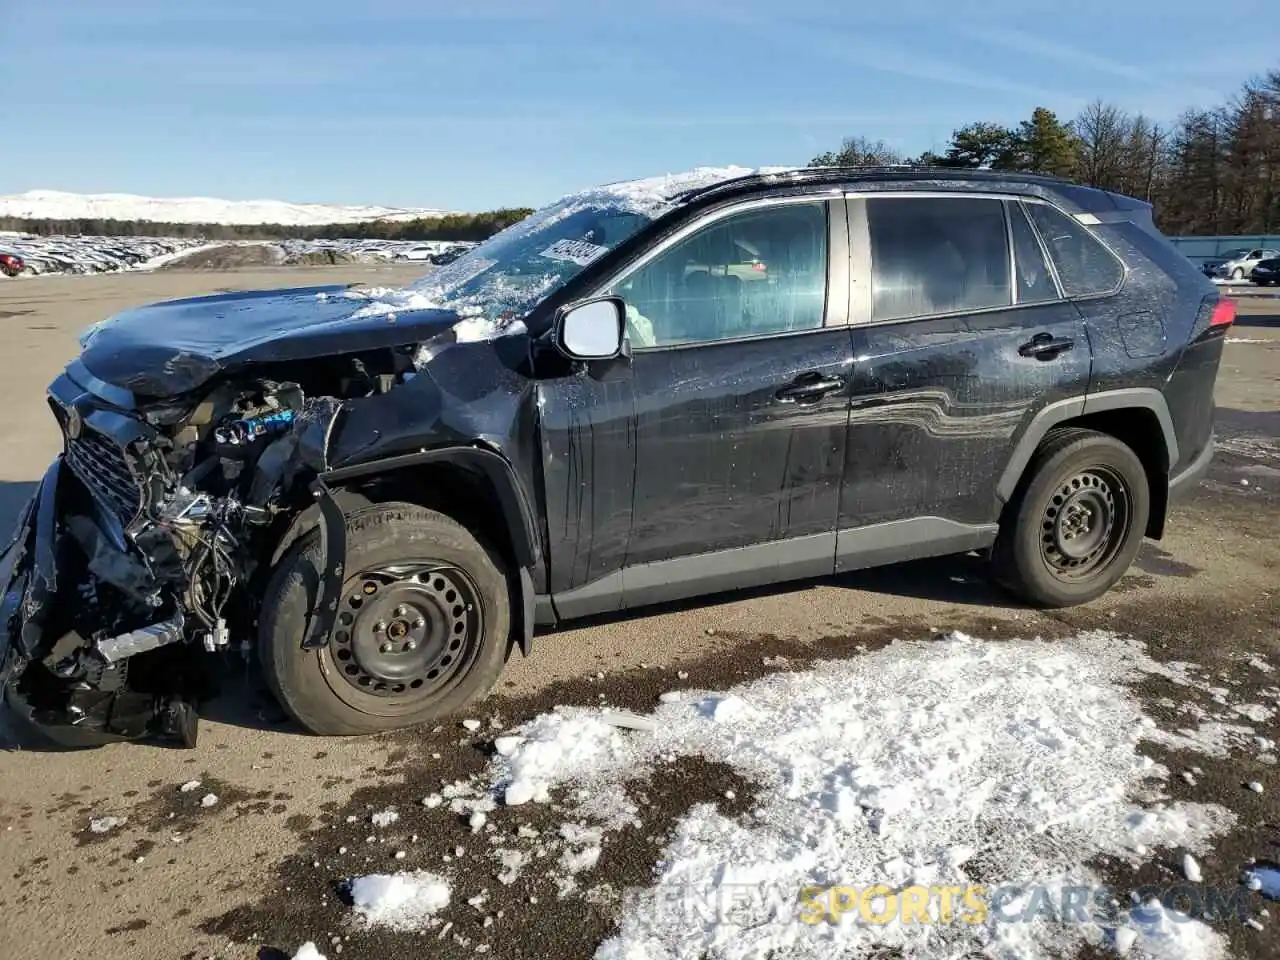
x=861 y=294
x=1044 y=250
x=1012 y=253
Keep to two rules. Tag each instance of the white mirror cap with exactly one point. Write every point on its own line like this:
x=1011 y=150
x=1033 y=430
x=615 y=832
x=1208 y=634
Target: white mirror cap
x=592 y=331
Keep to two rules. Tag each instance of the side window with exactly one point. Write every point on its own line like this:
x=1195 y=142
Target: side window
x=1084 y=265
x=937 y=255
x=1035 y=285
x=753 y=273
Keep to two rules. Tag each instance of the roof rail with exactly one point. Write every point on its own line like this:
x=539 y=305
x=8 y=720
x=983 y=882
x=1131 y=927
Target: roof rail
x=904 y=171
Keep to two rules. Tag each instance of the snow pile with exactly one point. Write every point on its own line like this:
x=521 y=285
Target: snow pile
x=402 y=901
x=106 y=824
x=57 y=205
x=386 y=301
x=1163 y=934
x=899 y=767
x=384 y=818
x=308 y=951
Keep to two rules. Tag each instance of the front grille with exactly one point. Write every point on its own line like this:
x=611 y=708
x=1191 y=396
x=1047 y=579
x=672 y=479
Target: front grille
x=100 y=464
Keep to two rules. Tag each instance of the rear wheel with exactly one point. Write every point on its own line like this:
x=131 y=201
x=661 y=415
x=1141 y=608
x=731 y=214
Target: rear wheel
x=1077 y=521
x=421 y=632
x=9 y=271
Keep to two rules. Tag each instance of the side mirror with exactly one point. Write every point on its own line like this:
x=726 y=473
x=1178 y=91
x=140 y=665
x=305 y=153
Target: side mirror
x=594 y=330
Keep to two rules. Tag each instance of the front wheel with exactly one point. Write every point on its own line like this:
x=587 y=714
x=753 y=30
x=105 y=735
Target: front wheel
x=1237 y=274
x=421 y=632
x=1077 y=521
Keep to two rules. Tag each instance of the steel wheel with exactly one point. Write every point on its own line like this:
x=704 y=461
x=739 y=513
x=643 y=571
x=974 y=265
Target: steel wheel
x=403 y=633
x=1085 y=523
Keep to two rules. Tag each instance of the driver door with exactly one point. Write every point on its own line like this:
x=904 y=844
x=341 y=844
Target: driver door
x=739 y=386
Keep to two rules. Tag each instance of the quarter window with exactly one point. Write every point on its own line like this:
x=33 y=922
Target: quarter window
x=1085 y=266
x=934 y=255
x=751 y=274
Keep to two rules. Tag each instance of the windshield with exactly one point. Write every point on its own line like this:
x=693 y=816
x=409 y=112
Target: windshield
x=508 y=274
x=1235 y=254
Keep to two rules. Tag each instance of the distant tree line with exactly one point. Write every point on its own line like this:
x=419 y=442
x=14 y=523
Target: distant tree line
x=1213 y=171
x=453 y=226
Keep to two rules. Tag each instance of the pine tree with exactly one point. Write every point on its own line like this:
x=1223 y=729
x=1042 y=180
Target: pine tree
x=1047 y=145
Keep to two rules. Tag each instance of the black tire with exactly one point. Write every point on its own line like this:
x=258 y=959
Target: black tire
x=1237 y=274
x=9 y=271
x=1077 y=521
x=443 y=648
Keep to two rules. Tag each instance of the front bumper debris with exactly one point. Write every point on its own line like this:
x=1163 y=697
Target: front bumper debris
x=91 y=715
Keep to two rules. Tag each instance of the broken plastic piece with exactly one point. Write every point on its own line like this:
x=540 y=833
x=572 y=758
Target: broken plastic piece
x=115 y=649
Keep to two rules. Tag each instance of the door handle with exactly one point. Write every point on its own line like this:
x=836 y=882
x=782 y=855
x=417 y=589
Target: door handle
x=809 y=387
x=1045 y=346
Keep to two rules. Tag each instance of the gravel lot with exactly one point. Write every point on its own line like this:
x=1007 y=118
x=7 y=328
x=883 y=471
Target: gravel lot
x=240 y=879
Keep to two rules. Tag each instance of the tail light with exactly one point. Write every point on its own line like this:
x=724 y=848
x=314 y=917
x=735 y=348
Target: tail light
x=1224 y=314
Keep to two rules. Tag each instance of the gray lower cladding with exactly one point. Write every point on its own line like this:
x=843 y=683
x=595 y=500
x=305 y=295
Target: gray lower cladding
x=798 y=558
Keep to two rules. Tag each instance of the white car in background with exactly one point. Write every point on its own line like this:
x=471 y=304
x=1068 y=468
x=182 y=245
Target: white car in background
x=1239 y=264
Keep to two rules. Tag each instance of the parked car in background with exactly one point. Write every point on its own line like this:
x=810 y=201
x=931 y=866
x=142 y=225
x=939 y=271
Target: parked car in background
x=448 y=256
x=11 y=264
x=1266 y=272
x=660 y=390
x=419 y=254
x=1238 y=264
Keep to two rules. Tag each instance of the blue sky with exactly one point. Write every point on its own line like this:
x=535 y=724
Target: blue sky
x=481 y=103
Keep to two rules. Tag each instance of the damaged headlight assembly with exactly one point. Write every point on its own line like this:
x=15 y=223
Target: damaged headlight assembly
x=137 y=543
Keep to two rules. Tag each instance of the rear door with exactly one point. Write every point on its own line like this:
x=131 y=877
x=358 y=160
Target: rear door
x=961 y=335
x=740 y=383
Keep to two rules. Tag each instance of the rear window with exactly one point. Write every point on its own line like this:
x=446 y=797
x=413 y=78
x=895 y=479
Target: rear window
x=1085 y=266
x=934 y=255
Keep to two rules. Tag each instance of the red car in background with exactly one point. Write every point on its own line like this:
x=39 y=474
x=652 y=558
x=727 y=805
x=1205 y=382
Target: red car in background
x=11 y=264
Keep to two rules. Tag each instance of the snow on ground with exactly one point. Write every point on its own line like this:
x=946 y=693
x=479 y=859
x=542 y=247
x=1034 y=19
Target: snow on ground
x=57 y=205
x=308 y=951
x=405 y=901
x=907 y=767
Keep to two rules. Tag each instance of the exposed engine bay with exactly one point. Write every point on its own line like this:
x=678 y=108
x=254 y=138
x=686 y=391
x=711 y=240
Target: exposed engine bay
x=167 y=515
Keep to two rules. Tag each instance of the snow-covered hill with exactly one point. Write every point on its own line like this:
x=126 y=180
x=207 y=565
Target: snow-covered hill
x=56 y=205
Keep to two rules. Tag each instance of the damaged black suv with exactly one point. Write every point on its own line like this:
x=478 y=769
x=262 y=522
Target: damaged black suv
x=647 y=391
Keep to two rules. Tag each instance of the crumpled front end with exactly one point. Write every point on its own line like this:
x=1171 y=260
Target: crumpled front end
x=131 y=559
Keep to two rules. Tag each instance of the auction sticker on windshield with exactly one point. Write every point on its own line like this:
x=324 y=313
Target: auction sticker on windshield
x=575 y=251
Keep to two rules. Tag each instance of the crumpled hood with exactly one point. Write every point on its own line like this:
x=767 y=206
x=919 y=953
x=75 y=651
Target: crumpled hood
x=174 y=347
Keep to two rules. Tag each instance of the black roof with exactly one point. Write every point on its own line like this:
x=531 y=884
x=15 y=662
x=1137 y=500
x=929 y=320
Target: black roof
x=1089 y=198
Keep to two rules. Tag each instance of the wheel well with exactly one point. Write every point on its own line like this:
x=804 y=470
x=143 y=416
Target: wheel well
x=465 y=495
x=1139 y=430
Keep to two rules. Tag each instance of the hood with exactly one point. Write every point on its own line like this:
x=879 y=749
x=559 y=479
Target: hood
x=174 y=347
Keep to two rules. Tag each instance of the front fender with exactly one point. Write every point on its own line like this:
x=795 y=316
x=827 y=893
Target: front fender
x=518 y=512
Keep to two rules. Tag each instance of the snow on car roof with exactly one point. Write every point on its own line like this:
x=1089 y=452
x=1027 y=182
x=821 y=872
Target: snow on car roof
x=652 y=196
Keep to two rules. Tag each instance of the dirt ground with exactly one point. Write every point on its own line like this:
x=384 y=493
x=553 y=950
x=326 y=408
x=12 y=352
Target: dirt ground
x=256 y=873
